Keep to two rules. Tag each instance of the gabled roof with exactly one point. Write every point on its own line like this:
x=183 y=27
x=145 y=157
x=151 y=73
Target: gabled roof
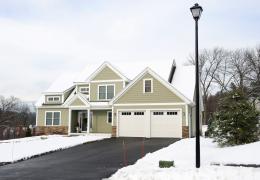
x=74 y=96
x=156 y=76
x=100 y=68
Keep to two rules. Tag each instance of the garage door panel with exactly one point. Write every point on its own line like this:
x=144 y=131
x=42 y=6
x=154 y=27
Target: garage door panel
x=131 y=123
x=166 y=124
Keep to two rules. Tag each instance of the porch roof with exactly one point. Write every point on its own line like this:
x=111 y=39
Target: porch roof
x=100 y=105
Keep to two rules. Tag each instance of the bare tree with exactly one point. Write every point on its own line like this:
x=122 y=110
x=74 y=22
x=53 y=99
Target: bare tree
x=223 y=77
x=8 y=107
x=209 y=64
x=253 y=59
x=239 y=68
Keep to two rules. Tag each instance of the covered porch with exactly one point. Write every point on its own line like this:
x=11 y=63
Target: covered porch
x=90 y=121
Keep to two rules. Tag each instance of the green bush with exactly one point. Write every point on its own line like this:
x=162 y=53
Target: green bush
x=235 y=121
x=166 y=164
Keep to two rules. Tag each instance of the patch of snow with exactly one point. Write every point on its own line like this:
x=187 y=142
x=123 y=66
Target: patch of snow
x=184 y=80
x=204 y=129
x=183 y=155
x=17 y=149
x=63 y=82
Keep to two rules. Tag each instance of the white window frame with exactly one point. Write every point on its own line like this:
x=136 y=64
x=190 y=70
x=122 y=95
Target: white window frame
x=52 y=118
x=53 y=98
x=106 y=91
x=108 y=117
x=149 y=79
x=86 y=87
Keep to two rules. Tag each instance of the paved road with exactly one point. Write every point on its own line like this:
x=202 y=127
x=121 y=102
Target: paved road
x=94 y=160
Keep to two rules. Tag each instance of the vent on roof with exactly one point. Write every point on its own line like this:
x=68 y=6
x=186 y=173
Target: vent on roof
x=173 y=68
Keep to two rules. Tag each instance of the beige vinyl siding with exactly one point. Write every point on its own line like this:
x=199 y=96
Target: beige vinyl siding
x=56 y=102
x=157 y=107
x=77 y=102
x=160 y=94
x=106 y=74
x=41 y=115
x=94 y=89
x=99 y=121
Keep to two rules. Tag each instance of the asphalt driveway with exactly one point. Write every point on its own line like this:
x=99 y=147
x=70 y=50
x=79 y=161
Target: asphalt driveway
x=94 y=160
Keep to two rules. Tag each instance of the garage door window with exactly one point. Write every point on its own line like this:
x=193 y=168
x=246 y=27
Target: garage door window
x=172 y=113
x=126 y=113
x=158 y=113
x=138 y=113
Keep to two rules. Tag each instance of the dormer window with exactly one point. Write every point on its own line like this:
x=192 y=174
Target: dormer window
x=53 y=98
x=84 y=90
x=147 y=85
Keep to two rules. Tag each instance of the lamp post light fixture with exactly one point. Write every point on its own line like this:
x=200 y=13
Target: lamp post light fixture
x=196 y=11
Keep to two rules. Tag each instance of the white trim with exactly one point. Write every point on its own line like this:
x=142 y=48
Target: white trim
x=100 y=68
x=149 y=112
x=186 y=115
x=54 y=107
x=108 y=117
x=156 y=76
x=106 y=91
x=36 y=123
x=112 y=116
x=148 y=104
x=78 y=107
x=148 y=79
x=104 y=81
x=101 y=108
x=52 y=118
x=69 y=123
x=88 y=127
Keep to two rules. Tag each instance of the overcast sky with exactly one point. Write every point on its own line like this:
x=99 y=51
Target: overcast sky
x=41 y=39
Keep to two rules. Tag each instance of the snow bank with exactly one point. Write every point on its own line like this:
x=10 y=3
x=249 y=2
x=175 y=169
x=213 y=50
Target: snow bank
x=183 y=154
x=17 y=149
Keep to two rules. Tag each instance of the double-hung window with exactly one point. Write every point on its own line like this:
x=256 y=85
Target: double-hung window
x=52 y=118
x=106 y=92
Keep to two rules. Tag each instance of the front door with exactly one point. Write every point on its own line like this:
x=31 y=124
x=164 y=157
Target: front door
x=83 y=120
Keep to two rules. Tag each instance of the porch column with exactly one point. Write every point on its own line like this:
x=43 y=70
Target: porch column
x=88 y=128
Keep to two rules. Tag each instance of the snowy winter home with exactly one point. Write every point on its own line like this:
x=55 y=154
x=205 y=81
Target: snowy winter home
x=106 y=101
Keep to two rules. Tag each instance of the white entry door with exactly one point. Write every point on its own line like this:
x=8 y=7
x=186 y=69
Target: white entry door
x=132 y=123
x=166 y=123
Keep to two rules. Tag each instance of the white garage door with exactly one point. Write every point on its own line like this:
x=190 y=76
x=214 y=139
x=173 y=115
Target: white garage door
x=166 y=124
x=131 y=123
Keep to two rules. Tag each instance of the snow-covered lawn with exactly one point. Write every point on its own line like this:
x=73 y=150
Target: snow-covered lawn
x=17 y=149
x=183 y=154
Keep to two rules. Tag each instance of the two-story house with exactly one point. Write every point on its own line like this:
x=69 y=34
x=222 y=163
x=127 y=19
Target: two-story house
x=106 y=101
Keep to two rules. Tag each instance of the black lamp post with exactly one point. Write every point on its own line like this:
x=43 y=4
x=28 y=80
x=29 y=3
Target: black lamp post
x=196 y=11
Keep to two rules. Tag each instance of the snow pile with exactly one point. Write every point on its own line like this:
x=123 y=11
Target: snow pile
x=17 y=149
x=183 y=154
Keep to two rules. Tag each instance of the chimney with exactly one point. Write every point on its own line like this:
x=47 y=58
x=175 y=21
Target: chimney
x=172 y=71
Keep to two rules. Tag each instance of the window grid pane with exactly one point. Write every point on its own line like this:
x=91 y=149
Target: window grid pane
x=102 y=92
x=110 y=92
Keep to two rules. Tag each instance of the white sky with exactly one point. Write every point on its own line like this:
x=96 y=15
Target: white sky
x=39 y=40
